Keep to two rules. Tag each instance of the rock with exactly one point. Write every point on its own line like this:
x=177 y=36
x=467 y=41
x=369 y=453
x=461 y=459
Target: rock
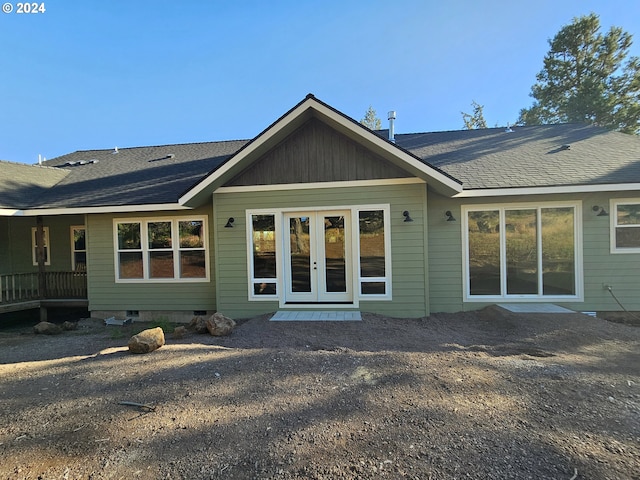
x=47 y=328
x=198 y=324
x=179 y=332
x=70 y=325
x=147 y=340
x=219 y=325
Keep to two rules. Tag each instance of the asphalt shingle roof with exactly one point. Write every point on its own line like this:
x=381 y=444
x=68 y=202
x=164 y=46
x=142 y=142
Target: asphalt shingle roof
x=482 y=159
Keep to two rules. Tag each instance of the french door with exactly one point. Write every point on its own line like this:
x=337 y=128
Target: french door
x=317 y=257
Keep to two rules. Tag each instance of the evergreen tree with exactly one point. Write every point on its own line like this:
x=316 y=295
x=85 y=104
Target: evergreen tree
x=371 y=120
x=476 y=119
x=587 y=77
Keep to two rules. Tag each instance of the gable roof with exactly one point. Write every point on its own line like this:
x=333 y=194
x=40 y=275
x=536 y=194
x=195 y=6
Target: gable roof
x=486 y=162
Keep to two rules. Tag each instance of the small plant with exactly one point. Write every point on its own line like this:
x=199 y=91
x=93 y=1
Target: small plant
x=164 y=324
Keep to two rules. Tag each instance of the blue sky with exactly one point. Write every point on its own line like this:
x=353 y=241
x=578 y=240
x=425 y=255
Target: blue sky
x=91 y=74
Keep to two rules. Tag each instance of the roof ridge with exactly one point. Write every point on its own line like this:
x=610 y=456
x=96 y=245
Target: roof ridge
x=29 y=164
x=156 y=146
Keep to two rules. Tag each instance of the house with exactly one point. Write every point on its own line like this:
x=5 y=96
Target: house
x=320 y=213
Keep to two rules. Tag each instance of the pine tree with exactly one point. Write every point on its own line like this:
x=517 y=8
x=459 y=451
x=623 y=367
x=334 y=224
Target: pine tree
x=371 y=120
x=476 y=119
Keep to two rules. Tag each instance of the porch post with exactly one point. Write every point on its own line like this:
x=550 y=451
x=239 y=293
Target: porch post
x=42 y=283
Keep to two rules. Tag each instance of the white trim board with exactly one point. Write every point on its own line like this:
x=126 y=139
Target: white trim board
x=316 y=316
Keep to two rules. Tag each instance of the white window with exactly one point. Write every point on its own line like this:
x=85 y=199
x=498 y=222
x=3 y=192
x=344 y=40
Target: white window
x=45 y=243
x=161 y=249
x=374 y=262
x=78 y=249
x=522 y=252
x=263 y=268
x=625 y=226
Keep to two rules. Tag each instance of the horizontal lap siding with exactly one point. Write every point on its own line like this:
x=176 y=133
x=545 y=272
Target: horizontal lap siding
x=407 y=239
x=106 y=294
x=622 y=271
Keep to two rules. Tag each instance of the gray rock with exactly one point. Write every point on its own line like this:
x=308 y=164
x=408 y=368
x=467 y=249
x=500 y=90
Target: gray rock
x=47 y=328
x=218 y=325
x=70 y=325
x=147 y=341
x=198 y=324
x=179 y=332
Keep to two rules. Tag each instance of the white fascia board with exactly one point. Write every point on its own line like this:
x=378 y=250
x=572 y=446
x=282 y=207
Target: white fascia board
x=106 y=209
x=312 y=103
x=10 y=212
x=505 y=192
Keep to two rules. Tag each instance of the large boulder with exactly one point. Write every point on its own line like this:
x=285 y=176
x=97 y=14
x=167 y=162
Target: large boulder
x=219 y=325
x=47 y=328
x=147 y=340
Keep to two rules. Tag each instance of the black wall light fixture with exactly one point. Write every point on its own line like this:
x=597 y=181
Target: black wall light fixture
x=449 y=216
x=601 y=211
x=230 y=222
x=407 y=217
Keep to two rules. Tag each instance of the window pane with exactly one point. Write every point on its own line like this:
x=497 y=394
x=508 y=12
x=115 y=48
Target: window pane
x=191 y=234
x=373 y=288
x=558 y=256
x=372 y=243
x=79 y=239
x=161 y=264
x=192 y=264
x=159 y=234
x=130 y=264
x=628 y=214
x=129 y=236
x=264 y=246
x=80 y=261
x=484 y=253
x=264 y=288
x=520 y=229
x=628 y=237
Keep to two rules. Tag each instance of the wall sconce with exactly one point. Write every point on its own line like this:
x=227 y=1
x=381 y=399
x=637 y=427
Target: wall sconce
x=449 y=216
x=230 y=222
x=407 y=217
x=601 y=210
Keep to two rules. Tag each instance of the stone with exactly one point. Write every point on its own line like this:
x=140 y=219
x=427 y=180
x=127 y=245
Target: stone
x=218 y=325
x=70 y=325
x=198 y=324
x=179 y=332
x=147 y=340
x=47 y=328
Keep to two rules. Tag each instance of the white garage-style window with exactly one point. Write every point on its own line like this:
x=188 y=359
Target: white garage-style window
x=522 y=252
x=625 y=226
x=161 y=249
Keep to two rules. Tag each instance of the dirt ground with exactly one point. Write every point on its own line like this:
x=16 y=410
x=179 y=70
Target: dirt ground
x=487 y=394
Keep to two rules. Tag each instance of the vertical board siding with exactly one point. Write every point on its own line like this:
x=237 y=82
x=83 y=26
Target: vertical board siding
x=106 y=294
x=407 y=243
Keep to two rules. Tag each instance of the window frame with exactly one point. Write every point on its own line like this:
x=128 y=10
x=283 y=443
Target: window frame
x=72 y=229
x=613 y=228
x=175 y=249
x=252 y=279
x=501 y=208
x=47 y=245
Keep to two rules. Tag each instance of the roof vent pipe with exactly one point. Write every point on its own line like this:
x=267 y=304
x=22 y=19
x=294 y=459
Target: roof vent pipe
x=391 y=116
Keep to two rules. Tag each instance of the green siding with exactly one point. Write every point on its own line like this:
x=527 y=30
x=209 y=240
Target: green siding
x=106 y=294
x=15 y=234
x=622 y=271
x=408 y=252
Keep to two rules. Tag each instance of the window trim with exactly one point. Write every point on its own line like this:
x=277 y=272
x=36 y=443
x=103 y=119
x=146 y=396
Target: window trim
x=540 y=297
x=46 y=240
x=72 y=229
x=354 y=252
x=175 y=248
x=613 y=225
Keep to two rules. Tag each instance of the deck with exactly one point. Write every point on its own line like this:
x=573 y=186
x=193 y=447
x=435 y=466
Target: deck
x=24 y=291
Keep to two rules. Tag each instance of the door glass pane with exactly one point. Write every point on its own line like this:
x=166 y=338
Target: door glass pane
x=372 y=244
x=558 y=257
x=334 y=248
x=484 y=253
x=520 y=229
x=300 y=254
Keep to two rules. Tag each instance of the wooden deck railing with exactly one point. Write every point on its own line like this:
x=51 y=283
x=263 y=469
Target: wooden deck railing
x=23 y=287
